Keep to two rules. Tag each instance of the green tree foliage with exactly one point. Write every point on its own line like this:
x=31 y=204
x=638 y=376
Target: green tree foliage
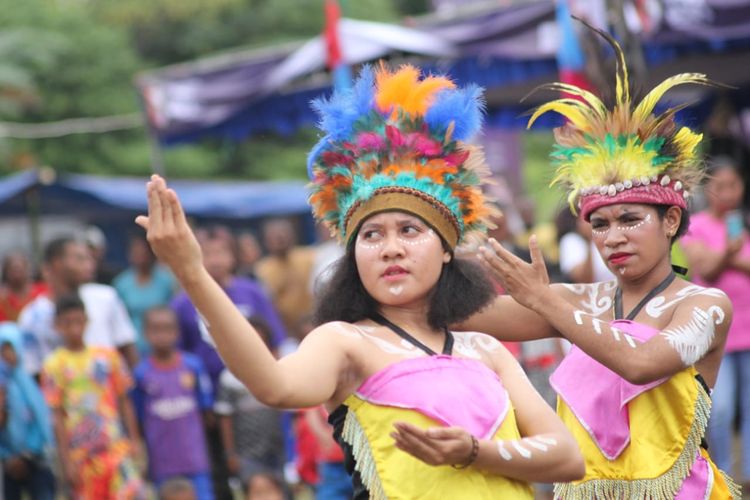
x=169 y=31
x=63 y=59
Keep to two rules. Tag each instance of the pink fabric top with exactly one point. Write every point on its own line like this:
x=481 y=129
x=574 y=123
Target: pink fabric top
x=453 y=391
x=712 y=233
x=597 y=396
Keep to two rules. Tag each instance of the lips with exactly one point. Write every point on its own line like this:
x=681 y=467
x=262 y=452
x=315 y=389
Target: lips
x=392 y=273
x=619 y=258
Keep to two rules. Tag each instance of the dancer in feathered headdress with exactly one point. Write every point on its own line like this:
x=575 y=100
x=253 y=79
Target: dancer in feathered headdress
x=395 y=179
x=397 y=140
x=626 y=154
x=634 y=388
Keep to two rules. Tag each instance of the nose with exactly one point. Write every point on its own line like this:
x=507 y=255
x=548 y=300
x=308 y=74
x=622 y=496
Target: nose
x=393 y=247
x=615 y=236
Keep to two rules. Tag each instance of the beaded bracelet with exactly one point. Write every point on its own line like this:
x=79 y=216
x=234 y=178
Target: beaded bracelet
x=472 y=455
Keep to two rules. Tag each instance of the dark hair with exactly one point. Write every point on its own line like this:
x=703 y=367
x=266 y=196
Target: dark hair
x=70 y=302
x=719 y=163
x=661 y=211
x=152 y=310
x=462 y=290
x=56 y=248
x=7 y=261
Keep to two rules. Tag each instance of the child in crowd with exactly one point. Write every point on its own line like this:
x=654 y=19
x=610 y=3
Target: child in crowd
x=177 y=488
x=171 y=391
x=25 y=430
x=87 y=390
x=251 y=433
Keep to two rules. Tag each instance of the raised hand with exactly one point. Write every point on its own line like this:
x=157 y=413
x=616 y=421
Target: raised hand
x=168 y=232
x=525 y=282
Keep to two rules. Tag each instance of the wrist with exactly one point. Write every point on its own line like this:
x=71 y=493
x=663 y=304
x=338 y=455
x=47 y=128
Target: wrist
x=473 y=453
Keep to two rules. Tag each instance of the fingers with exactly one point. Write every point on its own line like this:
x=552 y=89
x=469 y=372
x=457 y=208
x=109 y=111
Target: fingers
x=142 y=220
x=537 y=258
x=445 y=433
x=178 y=212
x=155 y=212
x=409 y=442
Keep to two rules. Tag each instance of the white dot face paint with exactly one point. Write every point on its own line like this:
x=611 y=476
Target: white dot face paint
x=396 y=290
x=427 y=236
x=601 y=232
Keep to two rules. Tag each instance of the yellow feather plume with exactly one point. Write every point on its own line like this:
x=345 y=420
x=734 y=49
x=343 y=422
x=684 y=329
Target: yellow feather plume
x=647 y=104
x=574 y=110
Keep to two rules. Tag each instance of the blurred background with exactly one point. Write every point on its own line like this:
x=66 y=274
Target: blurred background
x=221 y=89
x=97 y=94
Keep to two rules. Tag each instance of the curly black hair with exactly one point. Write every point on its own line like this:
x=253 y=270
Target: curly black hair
x=462 y=290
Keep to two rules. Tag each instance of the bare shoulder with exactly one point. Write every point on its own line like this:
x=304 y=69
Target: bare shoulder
x=482 y=347
x=475 y=344
x=687 y=297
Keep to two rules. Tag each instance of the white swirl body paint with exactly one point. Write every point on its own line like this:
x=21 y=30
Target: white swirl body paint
x=470 y=344
x=656 y=306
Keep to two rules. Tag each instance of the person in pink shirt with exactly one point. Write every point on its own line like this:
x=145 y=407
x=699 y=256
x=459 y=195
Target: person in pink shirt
x=718 y=249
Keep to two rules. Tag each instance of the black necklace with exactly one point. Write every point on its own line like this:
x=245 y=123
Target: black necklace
x=650 y=295
x=447 y=347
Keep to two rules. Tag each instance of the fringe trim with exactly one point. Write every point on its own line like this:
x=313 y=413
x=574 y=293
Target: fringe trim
x=734 y=489
x=364 y=462
x=664 y=487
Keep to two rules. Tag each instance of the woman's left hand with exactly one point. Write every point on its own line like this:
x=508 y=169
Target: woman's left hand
x=524 y=281
x=434 y=446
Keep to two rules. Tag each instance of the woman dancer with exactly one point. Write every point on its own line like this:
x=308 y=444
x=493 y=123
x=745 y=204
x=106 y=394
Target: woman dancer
x=394 y=179
x=634 y=389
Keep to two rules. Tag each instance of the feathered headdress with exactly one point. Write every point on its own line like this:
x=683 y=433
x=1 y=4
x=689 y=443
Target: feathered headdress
x=395 y=141
x=626 y=154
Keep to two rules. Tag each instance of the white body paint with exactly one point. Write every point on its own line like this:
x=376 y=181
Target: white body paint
x=540 y=443
x=693 y=340
x=505 y=454
x=597 y=324
x=470 y=344
x=396 y=290
x=656 y=306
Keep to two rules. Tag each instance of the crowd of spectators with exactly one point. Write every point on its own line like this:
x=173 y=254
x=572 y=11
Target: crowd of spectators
x=110 y=383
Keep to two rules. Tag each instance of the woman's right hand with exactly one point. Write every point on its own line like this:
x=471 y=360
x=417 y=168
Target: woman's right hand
x=168 y=232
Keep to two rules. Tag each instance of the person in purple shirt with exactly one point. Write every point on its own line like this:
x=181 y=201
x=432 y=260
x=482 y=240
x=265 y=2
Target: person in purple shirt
x=171 y=393
x=249 y=297
x=220 y=261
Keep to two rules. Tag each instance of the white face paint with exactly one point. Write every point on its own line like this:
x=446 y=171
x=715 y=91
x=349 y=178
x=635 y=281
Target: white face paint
x=622 y=227
x=396 y=290
x=693 y=340
x=428 y=235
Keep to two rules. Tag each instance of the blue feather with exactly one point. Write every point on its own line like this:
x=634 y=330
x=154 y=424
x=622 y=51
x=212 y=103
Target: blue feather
x=364 y=91
x=464 y=107
x=319 y=147
x=339 y=112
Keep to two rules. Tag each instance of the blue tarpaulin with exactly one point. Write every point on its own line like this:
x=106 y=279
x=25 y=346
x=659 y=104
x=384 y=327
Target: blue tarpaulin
x=97 y=197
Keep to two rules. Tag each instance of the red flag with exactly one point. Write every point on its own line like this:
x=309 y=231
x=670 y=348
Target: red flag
x=331 y=35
